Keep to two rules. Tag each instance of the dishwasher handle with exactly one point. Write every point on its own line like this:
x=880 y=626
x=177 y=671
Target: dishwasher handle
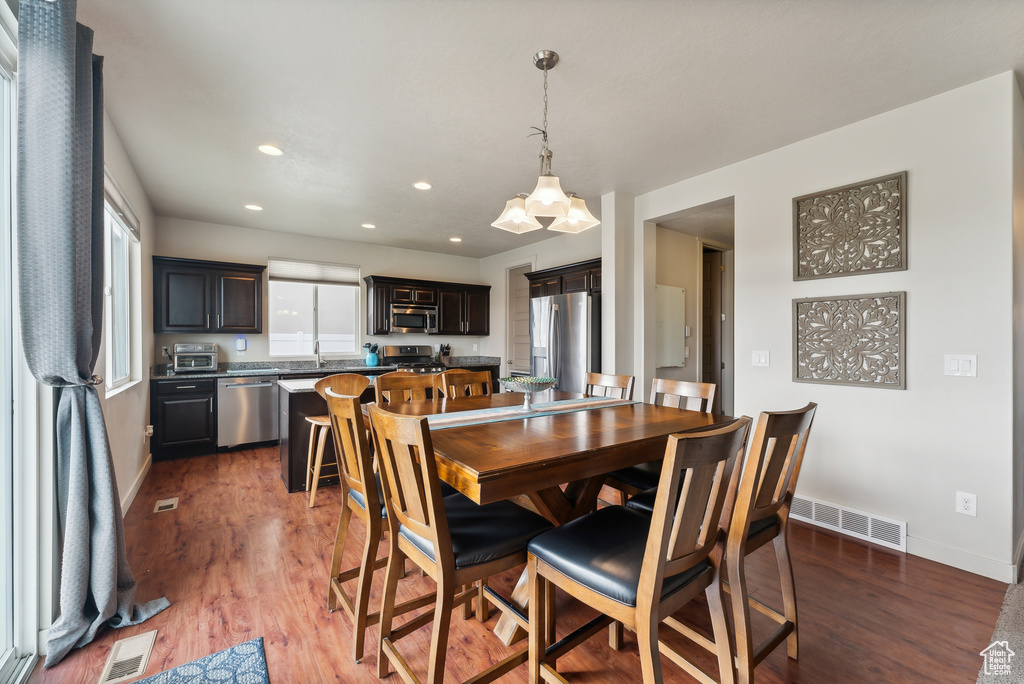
x=246 y=385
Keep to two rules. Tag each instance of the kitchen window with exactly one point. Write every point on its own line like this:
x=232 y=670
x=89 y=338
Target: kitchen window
x=122 y=238
x=312 y=301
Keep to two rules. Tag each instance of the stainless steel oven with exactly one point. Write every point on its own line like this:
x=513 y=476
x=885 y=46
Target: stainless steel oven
x=413 y=318
x=192 y=358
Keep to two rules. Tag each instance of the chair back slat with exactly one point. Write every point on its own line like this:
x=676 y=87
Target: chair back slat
x=412 y=489
x=614 y=386
x=402 y=386
x=347 y=384
x=696 y=475
x=351 y=446
x=691 y=396
x=772 y=467
x=459 y=382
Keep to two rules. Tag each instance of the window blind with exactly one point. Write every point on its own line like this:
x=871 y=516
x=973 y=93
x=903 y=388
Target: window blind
x=312 y=272
x=119 y=203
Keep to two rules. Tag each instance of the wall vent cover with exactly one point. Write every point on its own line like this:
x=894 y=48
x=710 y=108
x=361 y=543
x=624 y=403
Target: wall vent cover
x=128 y=658
x=166 y=505
x=851 y=522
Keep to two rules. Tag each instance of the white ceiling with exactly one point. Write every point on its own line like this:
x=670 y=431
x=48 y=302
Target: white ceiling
x=368 y=96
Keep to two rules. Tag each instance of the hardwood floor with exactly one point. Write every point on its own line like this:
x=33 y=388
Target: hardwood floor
x=241 y=558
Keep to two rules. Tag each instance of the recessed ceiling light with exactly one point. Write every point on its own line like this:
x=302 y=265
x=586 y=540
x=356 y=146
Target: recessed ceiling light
x=253 y=207
x=369 y=225
x=455 y=239
x=421 y=186
x=272 y=150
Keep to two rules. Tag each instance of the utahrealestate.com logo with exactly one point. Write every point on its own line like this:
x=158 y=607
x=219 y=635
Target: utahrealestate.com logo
x=997 y=658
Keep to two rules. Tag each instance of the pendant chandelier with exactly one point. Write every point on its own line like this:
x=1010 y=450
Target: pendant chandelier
x=547 y=200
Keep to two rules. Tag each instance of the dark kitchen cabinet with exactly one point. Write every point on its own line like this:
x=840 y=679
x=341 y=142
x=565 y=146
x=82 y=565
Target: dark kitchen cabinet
x=584 y=276
x=184 y=418
x=463 y=309
x=192 y=296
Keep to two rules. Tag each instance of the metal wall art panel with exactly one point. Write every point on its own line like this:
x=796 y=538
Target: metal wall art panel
x=856 y=340
x=858 y=228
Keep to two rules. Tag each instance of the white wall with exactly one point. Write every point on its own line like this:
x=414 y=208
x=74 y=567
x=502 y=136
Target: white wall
x=679 y=263
x=900 y=454
x=562 y=249
x=1018 y=324
x=215 y=242
x=127 y=411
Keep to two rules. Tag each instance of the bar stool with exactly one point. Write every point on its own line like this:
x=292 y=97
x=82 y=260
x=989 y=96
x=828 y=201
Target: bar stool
x=349 y=384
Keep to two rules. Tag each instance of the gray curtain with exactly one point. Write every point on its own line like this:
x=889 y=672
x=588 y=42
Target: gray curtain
x=60 y=260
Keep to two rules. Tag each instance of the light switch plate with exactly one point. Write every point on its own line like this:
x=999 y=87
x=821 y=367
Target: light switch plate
x=963 y=365
x=760 y=358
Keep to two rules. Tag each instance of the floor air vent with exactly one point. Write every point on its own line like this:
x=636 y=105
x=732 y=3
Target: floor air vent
x=165 y=505
x=128 y=658
x=851 y=522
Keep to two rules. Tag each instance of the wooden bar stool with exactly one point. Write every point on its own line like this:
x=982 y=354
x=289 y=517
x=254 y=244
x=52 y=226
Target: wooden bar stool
x=349 y=384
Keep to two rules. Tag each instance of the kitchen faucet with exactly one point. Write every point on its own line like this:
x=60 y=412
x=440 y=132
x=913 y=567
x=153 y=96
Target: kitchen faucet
x=316 y=350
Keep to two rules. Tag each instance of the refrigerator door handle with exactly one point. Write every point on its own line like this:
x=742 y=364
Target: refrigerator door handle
x=553 y=349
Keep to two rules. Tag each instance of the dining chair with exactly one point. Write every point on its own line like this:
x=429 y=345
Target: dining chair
x=601 y=385
x=458 y=382
x=402 y=386
x=691 y=396
x=320 y=426
x=363 y=499
x=760 y=514
x=454 y=540
x=639 y=569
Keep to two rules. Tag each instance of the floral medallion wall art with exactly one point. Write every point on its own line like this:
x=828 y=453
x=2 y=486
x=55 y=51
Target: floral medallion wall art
x=858 y=228
x=856 y=340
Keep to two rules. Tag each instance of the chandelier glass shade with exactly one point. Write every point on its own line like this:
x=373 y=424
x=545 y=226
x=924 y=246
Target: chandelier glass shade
x=547 y=200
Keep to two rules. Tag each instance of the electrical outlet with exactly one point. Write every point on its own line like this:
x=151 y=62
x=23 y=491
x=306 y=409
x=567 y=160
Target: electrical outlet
x=967 y=504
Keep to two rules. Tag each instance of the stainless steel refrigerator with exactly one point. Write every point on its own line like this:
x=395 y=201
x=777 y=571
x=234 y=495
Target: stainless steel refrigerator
x=565 y=338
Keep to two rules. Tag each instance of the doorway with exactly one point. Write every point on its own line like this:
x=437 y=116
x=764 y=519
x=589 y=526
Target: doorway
x=517 y=346
x=712 y=316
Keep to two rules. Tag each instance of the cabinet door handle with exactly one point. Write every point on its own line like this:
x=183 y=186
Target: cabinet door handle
x=218 y=320
x=185 y=387
x=207 y=320
x=211 y=405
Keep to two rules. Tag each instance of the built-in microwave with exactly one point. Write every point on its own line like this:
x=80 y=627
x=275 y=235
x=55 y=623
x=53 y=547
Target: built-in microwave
x=413 y=318
x=190 y=358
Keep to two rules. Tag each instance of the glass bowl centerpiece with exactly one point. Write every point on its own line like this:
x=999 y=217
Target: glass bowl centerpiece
x=527 y=385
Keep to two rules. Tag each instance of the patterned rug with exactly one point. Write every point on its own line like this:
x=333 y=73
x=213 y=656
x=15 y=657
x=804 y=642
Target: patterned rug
x=241 y=664
x=1003 y=660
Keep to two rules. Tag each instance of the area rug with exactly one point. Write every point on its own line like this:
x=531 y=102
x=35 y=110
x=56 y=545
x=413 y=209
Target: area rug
x=242 y=664
x=1003 y=659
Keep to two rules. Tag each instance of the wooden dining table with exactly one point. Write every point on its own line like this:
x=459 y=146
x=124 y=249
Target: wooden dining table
x=553 y=464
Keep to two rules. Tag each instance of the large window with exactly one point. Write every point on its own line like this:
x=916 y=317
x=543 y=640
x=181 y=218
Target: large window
x=122 y=240
x=312 y=302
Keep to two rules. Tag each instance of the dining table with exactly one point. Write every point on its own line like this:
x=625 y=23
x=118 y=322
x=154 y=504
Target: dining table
x=552 y=458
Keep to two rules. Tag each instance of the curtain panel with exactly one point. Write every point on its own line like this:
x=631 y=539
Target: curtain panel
x=60 y=260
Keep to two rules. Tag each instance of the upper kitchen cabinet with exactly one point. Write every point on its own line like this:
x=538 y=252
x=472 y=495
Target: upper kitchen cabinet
x=584 y=276
x=462 y=308
x=192 y=296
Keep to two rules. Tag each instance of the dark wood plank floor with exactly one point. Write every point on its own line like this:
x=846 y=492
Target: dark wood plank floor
x=241 y=558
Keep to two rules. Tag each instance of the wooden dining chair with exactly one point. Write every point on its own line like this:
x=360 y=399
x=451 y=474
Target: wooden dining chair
x=457 y=382
x=639 y=569
x=601 y=385
x=691 y=396
x=362 y=498
x=760 y=514
x=402 y=386
x=350 y=384
x=454 y=540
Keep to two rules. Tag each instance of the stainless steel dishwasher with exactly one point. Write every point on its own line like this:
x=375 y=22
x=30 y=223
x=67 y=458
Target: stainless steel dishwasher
x=246 y=410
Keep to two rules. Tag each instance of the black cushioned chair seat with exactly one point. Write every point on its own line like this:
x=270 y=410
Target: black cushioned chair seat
x=644 y=502
x=643 y=476
x=446 y=490
x=604 y=551
x=483 y=533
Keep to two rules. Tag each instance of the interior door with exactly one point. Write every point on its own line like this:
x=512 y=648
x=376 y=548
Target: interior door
x=518 y=326
x=711 y=323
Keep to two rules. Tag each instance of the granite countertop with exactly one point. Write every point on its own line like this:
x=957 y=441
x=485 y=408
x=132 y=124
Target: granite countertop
x=287 y=368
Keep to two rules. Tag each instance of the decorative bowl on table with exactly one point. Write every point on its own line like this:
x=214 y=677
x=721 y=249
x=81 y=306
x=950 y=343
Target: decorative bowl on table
x=527 y=385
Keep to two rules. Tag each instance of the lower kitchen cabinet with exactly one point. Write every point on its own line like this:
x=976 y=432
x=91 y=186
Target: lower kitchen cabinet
x=184 y=417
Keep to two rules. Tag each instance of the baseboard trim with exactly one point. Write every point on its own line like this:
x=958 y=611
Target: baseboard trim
x=129 y=496
x=979 y=565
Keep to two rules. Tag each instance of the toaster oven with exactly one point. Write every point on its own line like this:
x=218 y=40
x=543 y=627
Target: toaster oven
x=195 y=357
